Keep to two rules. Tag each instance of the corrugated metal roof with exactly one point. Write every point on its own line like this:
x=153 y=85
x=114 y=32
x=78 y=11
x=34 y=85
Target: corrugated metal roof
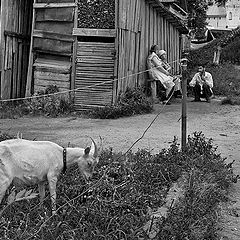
x=216 y=11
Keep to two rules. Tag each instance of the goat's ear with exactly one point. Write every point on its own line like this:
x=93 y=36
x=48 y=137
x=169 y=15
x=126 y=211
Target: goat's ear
x=87 y=150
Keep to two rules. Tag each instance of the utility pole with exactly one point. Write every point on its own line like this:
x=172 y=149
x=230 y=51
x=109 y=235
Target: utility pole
x=184 y=102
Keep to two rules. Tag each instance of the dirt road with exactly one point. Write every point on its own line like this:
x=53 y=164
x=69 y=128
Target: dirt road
x=220 y=122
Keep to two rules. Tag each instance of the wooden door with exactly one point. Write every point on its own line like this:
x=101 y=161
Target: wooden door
x=94 y=74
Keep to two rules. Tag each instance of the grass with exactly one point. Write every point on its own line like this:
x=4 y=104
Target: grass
x=116 y=203
x=52 y=105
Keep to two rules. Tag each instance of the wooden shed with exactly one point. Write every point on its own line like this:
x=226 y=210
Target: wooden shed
x=71 y=52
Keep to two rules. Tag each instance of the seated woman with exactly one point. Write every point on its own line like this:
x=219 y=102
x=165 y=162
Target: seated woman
x=177 y=88
x=158 y=70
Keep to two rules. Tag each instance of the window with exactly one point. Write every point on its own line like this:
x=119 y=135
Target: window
x=230 y=16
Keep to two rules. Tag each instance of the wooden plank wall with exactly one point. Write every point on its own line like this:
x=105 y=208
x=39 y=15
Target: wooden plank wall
x=16 y=17
x=52 y=41
x=95 y=67
x=140 y=26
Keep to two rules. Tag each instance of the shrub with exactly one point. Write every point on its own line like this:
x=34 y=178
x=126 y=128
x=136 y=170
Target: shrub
x=5 y=136
x=231 y=52
x=96 y=14
x=11 y=109
x=133 y=101
x=115 y=204
x=52 y=105
x=231 y=100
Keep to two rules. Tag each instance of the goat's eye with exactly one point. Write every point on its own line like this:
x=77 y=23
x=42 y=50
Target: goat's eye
x=89 y=164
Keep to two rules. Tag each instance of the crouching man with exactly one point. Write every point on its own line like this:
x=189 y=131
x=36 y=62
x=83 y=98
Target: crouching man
x=202 y=84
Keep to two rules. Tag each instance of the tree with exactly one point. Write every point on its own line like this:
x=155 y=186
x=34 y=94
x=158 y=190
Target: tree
x=197 y=15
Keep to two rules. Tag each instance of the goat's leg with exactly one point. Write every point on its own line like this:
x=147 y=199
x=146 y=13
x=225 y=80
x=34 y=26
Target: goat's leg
x=41 y=189
x=4 y=186
x=52 y=181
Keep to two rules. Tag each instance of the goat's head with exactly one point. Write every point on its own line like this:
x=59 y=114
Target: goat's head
x=88 y=161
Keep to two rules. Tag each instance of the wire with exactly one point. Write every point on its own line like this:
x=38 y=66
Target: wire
x=149 y=126
x=78 y=89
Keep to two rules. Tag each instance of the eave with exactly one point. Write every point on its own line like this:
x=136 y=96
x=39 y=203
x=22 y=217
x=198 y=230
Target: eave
x=176 y=21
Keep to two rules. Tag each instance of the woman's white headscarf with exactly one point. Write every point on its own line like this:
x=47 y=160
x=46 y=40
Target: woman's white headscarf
x=161 y=52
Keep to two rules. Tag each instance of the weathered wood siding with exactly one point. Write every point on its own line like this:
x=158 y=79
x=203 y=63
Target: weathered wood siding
x=140 y=25
x=95 y=68
x=51 y=72
x=16 y=18
x=52 y=41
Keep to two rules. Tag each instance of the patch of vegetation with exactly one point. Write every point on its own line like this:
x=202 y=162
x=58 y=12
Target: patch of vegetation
x=5 y=136
x=52 y=105
x=96 y=14
x=115 y=204
x=133 y=101
x=231 y=100
x=231 y=52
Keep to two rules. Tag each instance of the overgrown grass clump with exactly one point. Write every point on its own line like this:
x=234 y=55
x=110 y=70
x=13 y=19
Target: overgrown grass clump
x=5 y=136
x=47 y=105
x=131 y=102
x=115 y=204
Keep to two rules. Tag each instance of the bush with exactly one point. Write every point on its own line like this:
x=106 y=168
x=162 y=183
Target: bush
x=12 y=110
x=52 y=105
x=226 y=79
x=5 y=136
x=133 y=101
x=115 y=204
x=231 y=52
x=231 y=100
x=96 y=14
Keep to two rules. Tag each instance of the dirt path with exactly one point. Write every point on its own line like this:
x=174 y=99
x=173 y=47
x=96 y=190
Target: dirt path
x=222 y=123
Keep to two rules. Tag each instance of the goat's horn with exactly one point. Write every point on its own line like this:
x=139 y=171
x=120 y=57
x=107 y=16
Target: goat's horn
x=94 y=150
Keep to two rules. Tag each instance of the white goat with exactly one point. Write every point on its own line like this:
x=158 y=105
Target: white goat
x=35 y=162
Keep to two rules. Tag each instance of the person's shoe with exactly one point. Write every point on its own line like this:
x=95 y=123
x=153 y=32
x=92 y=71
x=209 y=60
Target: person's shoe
x=208 y=100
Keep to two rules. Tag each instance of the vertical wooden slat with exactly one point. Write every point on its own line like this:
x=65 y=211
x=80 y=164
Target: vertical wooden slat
x=116 y=63
x=132 y=58
x=142 y=49
x=147 y=27
x=162 y=33
x=158 y=28
x=30 y=62
x=155 y=27
x=75 y=43
x=121 y=59
x=151 y=26
x=137 y=58
x=20 y=62
x=127 y=5
x=126 y=60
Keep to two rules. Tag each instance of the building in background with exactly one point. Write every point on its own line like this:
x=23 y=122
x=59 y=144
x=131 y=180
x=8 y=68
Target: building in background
x=224 y=17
